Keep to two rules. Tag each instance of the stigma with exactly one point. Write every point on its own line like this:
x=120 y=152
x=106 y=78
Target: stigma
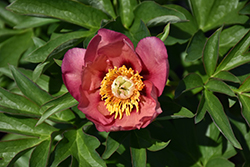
x=120 y=89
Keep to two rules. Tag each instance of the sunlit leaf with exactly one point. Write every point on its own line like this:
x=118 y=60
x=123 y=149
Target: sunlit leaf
x=195 y=46
x=230 y=37
x=219 y=162
x=70 y=11
x=31 y=22
x=211 y=52
x=39 y=156
x=38 y=71
x=11 y=150
x=149 y=10
x=25 y=126
x=81 y=146
x=56 y=105
x=29 y=88
x=163 y=36
x=16 y=104
x=226 y=76
x=245 y=108
x=237 y=56
x=219 y=117
x=126 y=8
x=57 y=45
x=219 y=86
x=189 y=26
x=245 y=87
x=139 y=156
x=214 y=13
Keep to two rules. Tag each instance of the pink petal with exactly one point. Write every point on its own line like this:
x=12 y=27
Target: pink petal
x=104 y=37
x=94 y=72
x=154 y=57
x=90 y=106
x=120 y=53
x=72 y=64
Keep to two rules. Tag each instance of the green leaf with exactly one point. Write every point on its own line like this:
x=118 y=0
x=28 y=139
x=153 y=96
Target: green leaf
x=226 y=76
x=38 y=71
x=10 y=32
x=56 y=45
x=139 y=156
x=211 y=52
x=191 y=81
x=245 y=87
x=149 y=10
x=56 y=105
x=40 y=155
x=195 y=46
x=104 y=5
x=189 y=26
x=9 y=17
x=42 y=82
x=173 y=110
x=25 y=126
x=210 y=14
x=137 y=32
x=211 y=143
x=29 y=88
x=230 y=37
x=219 y=86
x=245 y=108
x=142 y=139
x=219 y=162
x=16 y=104
x=162 y=20
x=245 y=10
x=201 y=110
x=113 y=142
x=126 y=8
x=158 y=146
x=11 y=150
x=31 y=22
x=69 y=11
x=219 y=117
x=243 y=133
x=79 y=145
x=20 y=43
x=163 y=36
x=58 y=62
x=237 y=55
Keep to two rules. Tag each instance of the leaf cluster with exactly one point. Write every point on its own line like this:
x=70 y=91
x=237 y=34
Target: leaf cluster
x=206 y=113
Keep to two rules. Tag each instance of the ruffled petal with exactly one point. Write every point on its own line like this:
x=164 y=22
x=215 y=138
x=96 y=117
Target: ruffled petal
x=72 y=64
x=120 y=53
x=94 y=72
x=94 y=109
x=103 y=38
x=154 y=57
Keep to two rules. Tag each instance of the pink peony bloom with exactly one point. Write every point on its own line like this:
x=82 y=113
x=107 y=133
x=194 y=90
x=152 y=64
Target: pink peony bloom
x=116 y=86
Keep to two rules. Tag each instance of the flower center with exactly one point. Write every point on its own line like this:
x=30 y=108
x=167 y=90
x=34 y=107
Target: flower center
x=120 y=89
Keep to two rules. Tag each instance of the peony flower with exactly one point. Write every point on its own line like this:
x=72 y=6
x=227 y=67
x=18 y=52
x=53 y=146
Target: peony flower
x=116 y=86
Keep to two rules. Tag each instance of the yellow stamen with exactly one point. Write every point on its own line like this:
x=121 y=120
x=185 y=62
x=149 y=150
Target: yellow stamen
x=120 y=90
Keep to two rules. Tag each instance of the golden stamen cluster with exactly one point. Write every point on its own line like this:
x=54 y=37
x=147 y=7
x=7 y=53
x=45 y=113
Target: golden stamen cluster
x=120 y=89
